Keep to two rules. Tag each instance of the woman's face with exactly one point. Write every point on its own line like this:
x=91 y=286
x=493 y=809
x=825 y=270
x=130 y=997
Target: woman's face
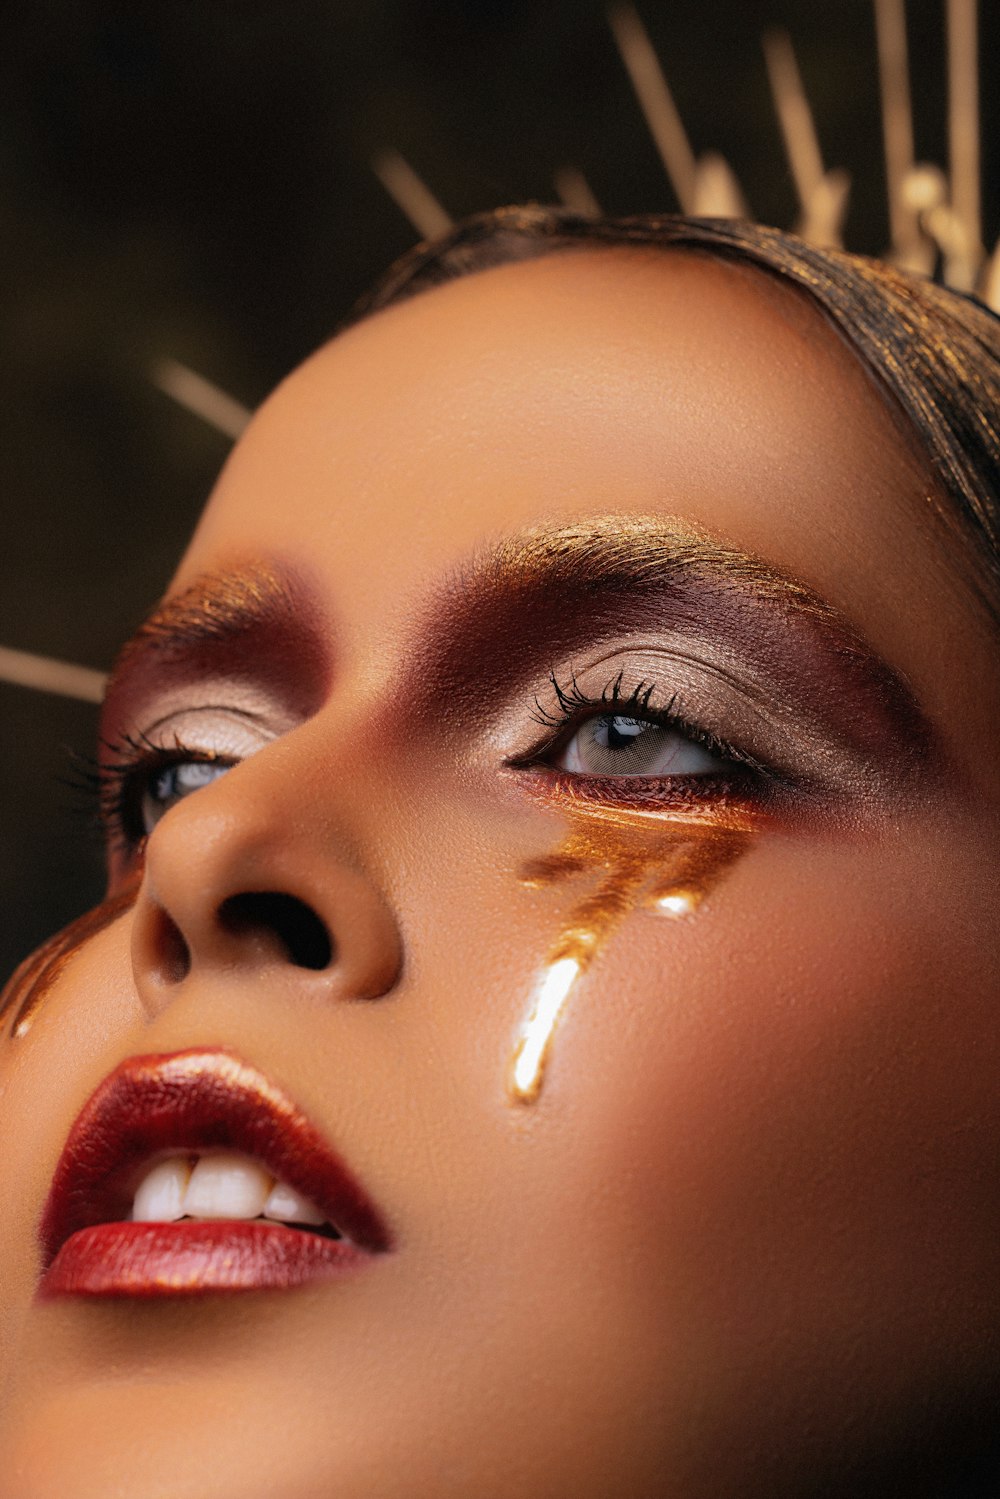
x=580 y=632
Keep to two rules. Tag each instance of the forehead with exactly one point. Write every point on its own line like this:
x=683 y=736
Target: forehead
x=611 y=381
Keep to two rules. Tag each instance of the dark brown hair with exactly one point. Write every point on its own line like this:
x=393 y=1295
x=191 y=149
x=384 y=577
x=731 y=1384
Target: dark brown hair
x=936 y=353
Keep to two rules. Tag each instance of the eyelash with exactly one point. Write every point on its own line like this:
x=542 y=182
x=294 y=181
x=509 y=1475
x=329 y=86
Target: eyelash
x=574 y=707
x=120 y=778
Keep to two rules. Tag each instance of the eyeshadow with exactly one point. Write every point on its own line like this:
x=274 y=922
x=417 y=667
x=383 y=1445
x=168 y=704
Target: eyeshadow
x=260 y=622
x=548 y=595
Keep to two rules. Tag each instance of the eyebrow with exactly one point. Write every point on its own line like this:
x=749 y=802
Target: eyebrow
x=549 y=591
x=256 y=621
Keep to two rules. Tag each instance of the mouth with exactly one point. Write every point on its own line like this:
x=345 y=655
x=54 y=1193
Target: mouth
x=193 y=1174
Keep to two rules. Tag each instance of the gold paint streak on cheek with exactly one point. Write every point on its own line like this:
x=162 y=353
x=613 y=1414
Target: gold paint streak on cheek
x=591 y=923
x=33 y=980
x=681 y=884
x=670 y=865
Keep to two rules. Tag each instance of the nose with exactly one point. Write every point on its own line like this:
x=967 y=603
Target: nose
x=252 y=873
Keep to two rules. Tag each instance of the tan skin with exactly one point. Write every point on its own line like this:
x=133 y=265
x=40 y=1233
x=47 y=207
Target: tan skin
x=747 y=1229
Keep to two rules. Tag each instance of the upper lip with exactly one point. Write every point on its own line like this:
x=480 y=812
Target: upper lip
x=190 y=1101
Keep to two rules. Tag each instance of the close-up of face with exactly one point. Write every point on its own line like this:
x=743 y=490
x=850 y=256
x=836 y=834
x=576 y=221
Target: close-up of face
x=541 y=1038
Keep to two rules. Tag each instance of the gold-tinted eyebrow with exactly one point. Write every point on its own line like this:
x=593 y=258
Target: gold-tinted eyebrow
x=637 y=554
x=535 y=597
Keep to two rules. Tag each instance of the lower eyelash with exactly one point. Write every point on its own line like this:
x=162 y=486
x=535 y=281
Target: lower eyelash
x=674 y=795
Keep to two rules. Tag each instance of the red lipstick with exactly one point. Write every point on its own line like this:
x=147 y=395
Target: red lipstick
x=194 y=1101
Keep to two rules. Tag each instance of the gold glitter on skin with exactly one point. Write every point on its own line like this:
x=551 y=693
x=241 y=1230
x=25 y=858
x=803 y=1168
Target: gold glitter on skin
x=641 y=861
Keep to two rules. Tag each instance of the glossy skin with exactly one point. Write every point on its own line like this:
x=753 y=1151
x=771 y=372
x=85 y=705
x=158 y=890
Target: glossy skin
x=749 y=1226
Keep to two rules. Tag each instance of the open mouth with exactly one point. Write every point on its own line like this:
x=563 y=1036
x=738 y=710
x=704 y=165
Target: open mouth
x=208 y=1187
x=191 y=1174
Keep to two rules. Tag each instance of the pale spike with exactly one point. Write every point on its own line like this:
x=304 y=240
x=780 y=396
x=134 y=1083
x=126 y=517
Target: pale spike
x=824 y=215
x=822 y=195
x=201 y=398
x=961 y=260
x=656 y=102
x=924 y=187
x=43 y=674
x=925 y=190
x=717 y=192
x=963 y=126
x=794 y=114
x=989 y=287
x=573 y=191
x=411 y=195
x=908 y=246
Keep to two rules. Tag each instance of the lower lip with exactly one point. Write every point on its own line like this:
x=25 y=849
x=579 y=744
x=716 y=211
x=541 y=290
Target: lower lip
x=194 y=1259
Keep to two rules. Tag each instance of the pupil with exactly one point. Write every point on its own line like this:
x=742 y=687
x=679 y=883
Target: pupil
x=177 y=780
x=174 y=782
x=194 y=773
x=622 y=732
x=165 y=786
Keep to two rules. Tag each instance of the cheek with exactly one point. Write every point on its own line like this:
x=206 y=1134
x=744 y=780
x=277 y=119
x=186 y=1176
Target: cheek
x=88 y=1021
x=792 y=1097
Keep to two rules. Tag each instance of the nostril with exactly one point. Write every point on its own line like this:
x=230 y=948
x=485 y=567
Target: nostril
x=173 y=953
x=270 y=913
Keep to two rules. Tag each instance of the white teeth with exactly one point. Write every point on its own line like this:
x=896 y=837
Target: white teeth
x=223 y=1185
x=227 y=1186
x=286 y=1205
x=160 y=1199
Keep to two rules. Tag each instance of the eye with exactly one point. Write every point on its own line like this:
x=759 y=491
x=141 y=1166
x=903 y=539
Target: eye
x=137 y=782
x=142 y=773
x=163 y=788
x=622 y=732
x=620 y=744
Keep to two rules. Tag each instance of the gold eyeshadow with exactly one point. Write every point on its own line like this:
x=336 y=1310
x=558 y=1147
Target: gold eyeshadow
x=668 y=863
x=33 y=980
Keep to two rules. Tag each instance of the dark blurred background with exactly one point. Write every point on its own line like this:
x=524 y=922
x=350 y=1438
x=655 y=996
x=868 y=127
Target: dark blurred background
x=192 y=179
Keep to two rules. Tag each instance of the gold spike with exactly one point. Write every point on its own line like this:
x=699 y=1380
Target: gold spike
x=823 y=219
x=794 y=115
x=925 y=190
x=411 y=195
x=961 y=260
x=656 y=102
